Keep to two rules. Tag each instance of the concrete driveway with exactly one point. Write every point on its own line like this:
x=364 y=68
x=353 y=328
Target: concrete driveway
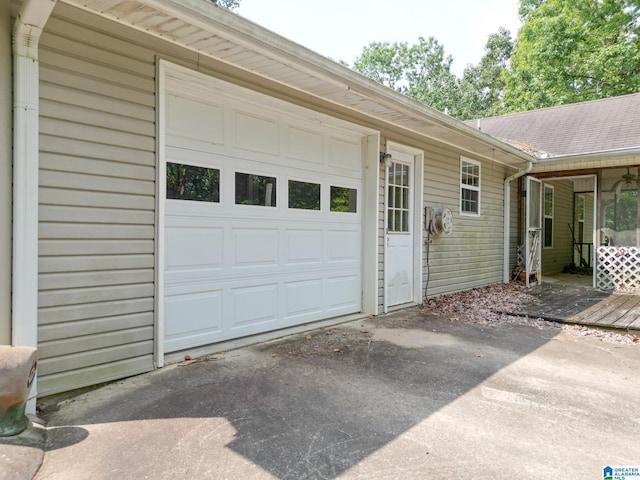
x=401 y=396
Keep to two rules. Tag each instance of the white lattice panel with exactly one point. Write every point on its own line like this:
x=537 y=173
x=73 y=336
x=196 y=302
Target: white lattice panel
x=618 y=267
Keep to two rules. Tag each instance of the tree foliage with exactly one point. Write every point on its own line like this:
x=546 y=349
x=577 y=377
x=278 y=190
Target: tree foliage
x=482 y=85
x=566 y=51
x=573 y=50
x=421 y=71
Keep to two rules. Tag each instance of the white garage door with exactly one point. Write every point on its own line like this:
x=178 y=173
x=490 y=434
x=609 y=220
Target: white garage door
x=262 y=216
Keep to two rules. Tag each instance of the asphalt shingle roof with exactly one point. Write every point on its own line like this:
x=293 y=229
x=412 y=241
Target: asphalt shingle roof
x=579 y=128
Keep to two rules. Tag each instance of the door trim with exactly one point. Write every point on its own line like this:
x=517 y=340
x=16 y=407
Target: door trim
x=417 y=227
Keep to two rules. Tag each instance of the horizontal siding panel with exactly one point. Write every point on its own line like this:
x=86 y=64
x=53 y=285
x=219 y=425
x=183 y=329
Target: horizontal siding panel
x=89 y=295
x=87 y=67
x=96 y=311
x=75 y=130
x=86 y=263
x=97 y=202
x=58 y=281
x=97 y=118
x=57 y=331
x=69 y=247
x=78 y=30
x=86 y=343
x=90 y=231
x=89 y=150
x=471 y=255
x=95 y=94
x=86 y=359
x=60 y=382
x=57 y=42
x=58 y=196
x=101 y=97
x=50 y=161
x=76 y=181
x=50 y=213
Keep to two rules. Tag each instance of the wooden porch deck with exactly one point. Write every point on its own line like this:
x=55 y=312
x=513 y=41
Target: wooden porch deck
x=582 y=305
x=620 y=311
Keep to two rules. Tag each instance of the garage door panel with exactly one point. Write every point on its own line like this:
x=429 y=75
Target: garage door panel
x=256 y=133
x=345 y=154
x=254 y=305
x=255 y=247
x=304 y=246
x=343 y=293
x=194 y=247
x=196 y=319
x=195 y=119
x=303 y=298
x=305 y=145
x=344 y=246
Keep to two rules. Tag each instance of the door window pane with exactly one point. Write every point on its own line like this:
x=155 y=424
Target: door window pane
x=188 y=182
x=398 y=198
x=255 y=190
x=304 y=195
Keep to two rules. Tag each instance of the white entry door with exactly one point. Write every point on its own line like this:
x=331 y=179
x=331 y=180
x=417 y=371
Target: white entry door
x=399 y=241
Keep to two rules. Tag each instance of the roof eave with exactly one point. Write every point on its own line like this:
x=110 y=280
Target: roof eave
x=587 y=161
x=337 y=80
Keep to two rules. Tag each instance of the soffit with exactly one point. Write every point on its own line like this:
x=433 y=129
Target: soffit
x=200 y=26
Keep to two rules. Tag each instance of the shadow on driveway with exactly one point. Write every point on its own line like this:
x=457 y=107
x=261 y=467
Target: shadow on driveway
x=399 y=396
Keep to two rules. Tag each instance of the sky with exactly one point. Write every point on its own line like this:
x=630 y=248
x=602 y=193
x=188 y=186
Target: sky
x=340 y=29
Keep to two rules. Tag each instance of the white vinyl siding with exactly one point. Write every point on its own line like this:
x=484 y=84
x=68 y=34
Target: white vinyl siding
x=472 y=254
x=97 y=207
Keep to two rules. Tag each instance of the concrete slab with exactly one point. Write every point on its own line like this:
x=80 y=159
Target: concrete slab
x=21 y=455
x=401 y=396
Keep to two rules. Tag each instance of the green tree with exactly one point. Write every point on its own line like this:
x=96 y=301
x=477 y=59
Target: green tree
x=573 y=50
x=421 y=71
x=482 y=85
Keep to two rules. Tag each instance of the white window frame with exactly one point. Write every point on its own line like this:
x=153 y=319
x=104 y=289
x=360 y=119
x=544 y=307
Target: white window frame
x=464 y=186
x=546 y=216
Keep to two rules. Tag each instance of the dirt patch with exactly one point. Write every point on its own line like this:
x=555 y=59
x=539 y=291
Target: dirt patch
x=334 y=341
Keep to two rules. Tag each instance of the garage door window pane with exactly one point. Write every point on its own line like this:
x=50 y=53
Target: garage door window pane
x=343 y=199
x=304 y=195
x=187 y=182
x=255 y=190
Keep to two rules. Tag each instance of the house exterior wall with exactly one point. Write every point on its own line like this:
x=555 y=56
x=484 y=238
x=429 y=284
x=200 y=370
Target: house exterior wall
x=97 y=207
x=5 y=171
x=472 y=255
x=98 y=216
x=554 y=259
